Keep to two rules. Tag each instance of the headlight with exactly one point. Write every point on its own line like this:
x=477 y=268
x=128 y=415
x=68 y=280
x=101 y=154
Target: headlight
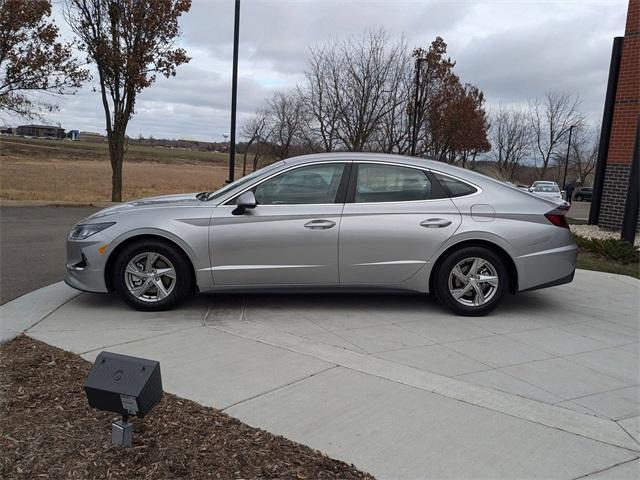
x=80 y=232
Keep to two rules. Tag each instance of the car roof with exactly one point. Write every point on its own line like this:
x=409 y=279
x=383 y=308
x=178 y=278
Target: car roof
x=421 y=162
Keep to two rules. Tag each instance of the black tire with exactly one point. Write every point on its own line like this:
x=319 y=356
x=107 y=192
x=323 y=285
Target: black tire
x=441 y=281
x=183 y=275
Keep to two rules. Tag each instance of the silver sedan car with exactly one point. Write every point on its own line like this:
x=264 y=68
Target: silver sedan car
x=338 y=221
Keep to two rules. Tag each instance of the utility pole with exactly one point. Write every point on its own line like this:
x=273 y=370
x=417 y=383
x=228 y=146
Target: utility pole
x=234 y=95
x=414 y=126
x=566 y=160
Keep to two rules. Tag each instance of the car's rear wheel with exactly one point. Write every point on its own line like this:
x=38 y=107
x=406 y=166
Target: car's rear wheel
x=152 y=275
x=471 y=281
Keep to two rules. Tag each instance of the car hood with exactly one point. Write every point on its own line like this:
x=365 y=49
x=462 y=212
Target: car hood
x=182 y=199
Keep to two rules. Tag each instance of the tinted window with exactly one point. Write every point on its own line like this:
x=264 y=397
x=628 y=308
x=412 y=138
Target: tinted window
x=456 y=188
x=305 y=185
x=386 y=183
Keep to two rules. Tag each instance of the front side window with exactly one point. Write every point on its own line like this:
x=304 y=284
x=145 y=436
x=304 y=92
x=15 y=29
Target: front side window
x=455 y=187
x=389 y=183
x=312 y=184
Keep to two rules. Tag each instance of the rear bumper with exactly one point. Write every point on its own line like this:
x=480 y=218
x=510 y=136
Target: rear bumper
x=553 y=283
x=546 y=268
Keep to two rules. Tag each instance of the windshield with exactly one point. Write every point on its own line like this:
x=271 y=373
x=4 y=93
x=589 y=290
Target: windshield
x=242 y=181
x=546 y=188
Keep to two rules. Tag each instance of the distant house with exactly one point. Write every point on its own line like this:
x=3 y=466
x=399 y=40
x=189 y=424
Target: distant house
x=73 y=134
x=46 y=131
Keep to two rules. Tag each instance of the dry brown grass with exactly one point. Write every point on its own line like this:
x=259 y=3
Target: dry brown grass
x=56 y=172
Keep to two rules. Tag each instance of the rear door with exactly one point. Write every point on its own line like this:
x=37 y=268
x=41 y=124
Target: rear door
x=395 y=219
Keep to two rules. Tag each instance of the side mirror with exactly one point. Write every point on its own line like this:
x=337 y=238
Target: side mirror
x=244 y=201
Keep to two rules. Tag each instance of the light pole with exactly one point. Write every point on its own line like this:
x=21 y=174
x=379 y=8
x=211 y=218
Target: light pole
x=414 y=126
x=234 y=94
x=566 y=160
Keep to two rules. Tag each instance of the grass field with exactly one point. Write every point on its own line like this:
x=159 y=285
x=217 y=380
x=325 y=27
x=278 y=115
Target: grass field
x=61 y=170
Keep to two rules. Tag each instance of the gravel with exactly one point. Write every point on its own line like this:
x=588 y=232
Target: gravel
x=593 y=231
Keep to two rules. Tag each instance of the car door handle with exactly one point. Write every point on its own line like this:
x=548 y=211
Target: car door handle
x=435 y=223
x=319 y=224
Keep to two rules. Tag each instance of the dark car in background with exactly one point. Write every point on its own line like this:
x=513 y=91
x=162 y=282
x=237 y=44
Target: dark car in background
x=583 y=194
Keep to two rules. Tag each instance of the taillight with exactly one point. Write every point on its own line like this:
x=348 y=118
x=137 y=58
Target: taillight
x=557 y=218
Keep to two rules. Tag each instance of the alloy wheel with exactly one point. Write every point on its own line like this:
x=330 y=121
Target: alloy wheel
x=150 y=277
x=473 y=281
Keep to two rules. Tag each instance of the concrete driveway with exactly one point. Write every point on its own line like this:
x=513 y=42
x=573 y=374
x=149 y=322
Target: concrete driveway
x=547 y=386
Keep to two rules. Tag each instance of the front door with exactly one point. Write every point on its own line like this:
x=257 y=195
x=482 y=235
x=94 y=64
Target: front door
x=290 y=237
x=394 y=222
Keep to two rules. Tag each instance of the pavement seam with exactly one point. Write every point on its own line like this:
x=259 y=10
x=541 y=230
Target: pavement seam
x=606 y=469
x=206 y=314
x=275 y=389
x=480 y=403
x=627 y=431
x=140 y=339
x=53 y=311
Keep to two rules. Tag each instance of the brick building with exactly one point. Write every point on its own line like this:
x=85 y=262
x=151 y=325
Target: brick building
x=613 y=186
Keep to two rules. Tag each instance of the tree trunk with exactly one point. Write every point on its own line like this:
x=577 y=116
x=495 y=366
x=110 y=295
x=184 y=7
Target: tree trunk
x=244 y=163
x=116 y=151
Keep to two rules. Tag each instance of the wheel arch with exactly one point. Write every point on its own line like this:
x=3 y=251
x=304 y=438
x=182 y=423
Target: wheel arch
x=121 y=245
x=512 y=271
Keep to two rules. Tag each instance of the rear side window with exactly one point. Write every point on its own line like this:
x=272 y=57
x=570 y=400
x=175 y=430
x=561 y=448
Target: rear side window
x=389 y=183
x=455 y=187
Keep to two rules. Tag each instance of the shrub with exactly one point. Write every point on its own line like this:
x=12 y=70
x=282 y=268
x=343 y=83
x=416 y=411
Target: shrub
x=611 y=248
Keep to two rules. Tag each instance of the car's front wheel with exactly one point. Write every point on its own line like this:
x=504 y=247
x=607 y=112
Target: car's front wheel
x=471 y=281
x=152 y=275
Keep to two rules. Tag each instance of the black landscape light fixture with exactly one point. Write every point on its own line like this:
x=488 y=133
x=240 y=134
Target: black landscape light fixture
x=129 y=386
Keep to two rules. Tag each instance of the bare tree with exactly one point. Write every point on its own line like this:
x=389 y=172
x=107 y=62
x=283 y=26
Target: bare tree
x=255 y=132
x=32 y=60
x=584 y=152
x=550 y=120
x=319 y=99
x=511 y=139
x=358 y=95
x=352 y=85
x=285 y=123
x=130 y=41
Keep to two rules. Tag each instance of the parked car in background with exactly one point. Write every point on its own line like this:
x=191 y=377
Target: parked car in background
x=341 y=221
x=583 y=194
x=546 y=189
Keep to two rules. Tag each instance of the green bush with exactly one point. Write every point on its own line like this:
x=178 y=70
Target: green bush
x=617 y=250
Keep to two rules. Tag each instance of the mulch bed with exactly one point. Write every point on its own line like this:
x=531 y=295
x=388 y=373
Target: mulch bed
x=47 y=430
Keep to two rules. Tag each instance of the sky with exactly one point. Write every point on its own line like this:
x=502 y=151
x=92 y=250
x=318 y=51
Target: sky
x=514 y=50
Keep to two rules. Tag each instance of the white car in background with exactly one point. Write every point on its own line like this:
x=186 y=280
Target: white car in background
x=547 y=189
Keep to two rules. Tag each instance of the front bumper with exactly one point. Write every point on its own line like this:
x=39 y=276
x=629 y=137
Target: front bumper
x=86 y=265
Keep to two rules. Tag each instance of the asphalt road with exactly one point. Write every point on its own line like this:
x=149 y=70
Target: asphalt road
x=579 y=210
x=32 y=246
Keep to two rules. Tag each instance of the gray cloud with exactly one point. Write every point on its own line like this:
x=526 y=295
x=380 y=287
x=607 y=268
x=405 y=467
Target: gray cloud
x=513 y=50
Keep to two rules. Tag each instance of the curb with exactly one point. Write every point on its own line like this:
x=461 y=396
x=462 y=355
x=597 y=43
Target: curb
x=24 y=312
